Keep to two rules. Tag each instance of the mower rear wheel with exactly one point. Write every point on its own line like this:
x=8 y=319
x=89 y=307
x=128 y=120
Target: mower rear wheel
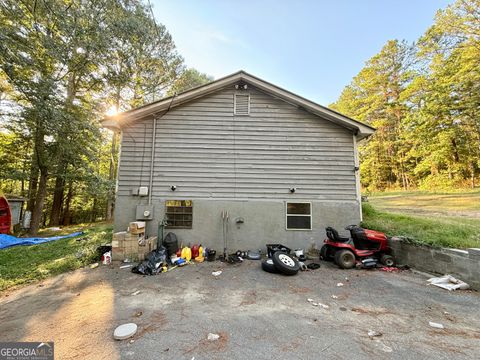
x=326 y=253
x=388 y=260
x=345 y=259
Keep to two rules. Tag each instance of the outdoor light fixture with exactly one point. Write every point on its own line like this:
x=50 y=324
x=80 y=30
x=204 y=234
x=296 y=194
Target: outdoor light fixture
x=173 y=187
x=241 y=87
x=292 y=190
x=356 y=168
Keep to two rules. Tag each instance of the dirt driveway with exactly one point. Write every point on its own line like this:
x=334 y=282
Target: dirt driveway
x=257 y=315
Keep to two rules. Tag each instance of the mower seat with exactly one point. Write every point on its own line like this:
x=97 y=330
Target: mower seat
x=332 y=234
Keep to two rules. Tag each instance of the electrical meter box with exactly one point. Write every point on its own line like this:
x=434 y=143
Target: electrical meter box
x=144 y=212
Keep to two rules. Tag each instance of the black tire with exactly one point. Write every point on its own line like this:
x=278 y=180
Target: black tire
x=345 y=259
x=268 y=266
x=388 y=260
x=326 y=253
x=285 y=264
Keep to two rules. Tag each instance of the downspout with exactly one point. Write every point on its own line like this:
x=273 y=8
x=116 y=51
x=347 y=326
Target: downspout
x=357 y=174
x=150 y=184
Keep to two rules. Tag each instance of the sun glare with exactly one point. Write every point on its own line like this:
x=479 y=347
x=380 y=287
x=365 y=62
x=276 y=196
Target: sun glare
x=112 y=111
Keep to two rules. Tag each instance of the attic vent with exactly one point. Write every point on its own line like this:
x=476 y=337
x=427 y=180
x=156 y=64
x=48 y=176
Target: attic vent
x=242 y=104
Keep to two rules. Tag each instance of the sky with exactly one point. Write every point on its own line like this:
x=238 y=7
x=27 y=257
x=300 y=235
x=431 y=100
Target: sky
x=310 y=47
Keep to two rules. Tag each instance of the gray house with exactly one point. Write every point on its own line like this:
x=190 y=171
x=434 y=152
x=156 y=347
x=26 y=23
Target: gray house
x=282 y=167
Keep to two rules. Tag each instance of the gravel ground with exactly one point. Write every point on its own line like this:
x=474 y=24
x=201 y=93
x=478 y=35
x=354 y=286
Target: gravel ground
x=256 y=314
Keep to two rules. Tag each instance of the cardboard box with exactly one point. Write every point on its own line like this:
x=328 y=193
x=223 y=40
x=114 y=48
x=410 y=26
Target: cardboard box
x=136 y=227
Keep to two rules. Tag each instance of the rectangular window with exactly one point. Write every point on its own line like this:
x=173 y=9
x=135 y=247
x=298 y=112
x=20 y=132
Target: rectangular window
x=299 y=216
x=179 y=213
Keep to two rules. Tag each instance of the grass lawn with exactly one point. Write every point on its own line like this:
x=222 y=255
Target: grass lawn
x=445 y=231
x=25 y=264
x=455 y=203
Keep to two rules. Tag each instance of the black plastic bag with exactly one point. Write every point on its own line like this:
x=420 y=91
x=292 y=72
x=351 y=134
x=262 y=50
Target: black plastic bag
x=153 y=263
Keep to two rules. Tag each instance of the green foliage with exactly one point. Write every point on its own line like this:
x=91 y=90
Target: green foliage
x=63 y=63
x=424 y=101
x=189 y=79
x=436 y=231
x=25 y=264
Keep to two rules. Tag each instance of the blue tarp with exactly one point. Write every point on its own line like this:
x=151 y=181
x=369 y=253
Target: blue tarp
x=7 y=241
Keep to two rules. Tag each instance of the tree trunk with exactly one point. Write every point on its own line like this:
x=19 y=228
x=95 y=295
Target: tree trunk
x=67 y=218
x=57 y=198
x=111 y=177
x=93 y=215
x=32 y=186
x=39 y=201
x=472 y=172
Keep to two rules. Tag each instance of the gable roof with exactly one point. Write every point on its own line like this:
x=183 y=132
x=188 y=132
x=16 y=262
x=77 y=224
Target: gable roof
x=117 y=122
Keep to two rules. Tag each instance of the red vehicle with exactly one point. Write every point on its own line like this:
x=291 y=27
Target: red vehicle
x=5 y=216
x=362 y=244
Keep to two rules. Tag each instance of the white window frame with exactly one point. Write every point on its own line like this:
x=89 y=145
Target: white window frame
x=287 y=215
x=235 y=104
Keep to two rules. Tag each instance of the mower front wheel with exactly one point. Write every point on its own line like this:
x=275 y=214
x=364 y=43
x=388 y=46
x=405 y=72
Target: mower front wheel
x=345 y=259
x=326 y=253
x=388 y=260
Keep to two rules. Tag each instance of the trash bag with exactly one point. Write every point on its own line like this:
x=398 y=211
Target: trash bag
x=171 y=243
x=153 y=263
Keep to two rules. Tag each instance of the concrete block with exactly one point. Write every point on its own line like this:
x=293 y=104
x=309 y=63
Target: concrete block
x=458 y=252
x=474 y=253
x=439 y=256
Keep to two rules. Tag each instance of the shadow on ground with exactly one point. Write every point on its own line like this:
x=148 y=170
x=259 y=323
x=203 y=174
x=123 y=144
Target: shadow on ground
x=257 y=315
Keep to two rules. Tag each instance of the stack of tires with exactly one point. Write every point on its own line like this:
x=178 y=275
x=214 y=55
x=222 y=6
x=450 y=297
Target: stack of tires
x=282 y=263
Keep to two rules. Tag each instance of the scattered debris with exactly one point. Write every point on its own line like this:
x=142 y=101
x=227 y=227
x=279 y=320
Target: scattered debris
x=449 y=283
x=339 y=284
x=213 y=337
x=390 y=269
x=136 y=293
x=313 y=266
x=139 y=313
x=373 y=333
x=342 y=308
x=436 y=325
x=126 y=266
x=94 y=265
x=125 y=331
x=334 y=297
x=217 y=273
x=155 y=262
x=311 y=301
x=107 y=258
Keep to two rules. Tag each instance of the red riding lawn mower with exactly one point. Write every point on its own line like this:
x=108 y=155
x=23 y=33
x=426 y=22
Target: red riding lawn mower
x=363 y=245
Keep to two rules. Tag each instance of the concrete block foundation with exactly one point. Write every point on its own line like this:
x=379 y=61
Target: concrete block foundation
x=264 y=222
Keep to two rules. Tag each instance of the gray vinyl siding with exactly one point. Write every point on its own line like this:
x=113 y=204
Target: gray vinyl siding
x=208 y=152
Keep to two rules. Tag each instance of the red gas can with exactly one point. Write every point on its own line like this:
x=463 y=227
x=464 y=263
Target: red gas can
x=195 y=251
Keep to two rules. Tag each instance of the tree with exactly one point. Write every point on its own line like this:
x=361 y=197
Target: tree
x=375 y=97
x=57 y=58
x=189 y=79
